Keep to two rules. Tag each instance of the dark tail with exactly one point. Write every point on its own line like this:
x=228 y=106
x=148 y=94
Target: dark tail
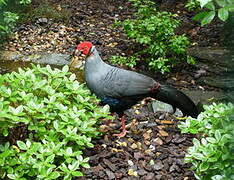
x=177 y=99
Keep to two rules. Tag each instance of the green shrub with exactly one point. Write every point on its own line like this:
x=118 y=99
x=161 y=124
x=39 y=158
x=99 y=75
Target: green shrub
x=155 y=31
x=60 y=114
x=212 y=153
x=121 y=60
x=8 y=18
x=212 y=8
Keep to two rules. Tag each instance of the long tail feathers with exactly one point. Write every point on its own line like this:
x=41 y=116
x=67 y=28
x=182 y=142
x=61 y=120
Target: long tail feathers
x=177 y=99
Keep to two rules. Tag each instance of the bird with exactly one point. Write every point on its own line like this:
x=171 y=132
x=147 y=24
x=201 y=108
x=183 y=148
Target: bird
x=121 y=89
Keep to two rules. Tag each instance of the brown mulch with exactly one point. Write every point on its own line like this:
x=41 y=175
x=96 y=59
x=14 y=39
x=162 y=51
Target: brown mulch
x=152 y=149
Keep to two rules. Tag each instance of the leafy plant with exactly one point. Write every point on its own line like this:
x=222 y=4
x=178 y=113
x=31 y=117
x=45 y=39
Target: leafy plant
x=60 y=114
x=155 y=31
x=192 y=5
x=222 y=8
x=8 y=19
x=121 y=60
x=212 y=152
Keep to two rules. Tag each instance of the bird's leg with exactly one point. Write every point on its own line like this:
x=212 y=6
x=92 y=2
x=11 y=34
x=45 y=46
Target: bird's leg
x=124 y=130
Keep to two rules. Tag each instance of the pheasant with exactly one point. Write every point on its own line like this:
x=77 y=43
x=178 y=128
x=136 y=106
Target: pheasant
x=121 y=89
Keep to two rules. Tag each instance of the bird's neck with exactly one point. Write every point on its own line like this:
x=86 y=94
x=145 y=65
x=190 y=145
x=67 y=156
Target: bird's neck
x=94 y=61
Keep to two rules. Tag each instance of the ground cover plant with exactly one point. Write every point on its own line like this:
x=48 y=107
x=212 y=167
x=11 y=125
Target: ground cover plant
x=155 y=31
x=60 y=114
x=8 y=18
x=212 y=152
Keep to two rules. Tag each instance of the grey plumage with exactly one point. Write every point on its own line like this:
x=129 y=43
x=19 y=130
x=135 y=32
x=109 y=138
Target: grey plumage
x=122 y=88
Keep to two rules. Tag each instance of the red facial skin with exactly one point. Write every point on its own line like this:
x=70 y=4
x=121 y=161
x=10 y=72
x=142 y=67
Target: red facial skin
x=85 y=47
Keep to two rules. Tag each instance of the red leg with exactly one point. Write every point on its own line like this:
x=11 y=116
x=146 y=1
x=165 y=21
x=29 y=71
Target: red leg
x=124 y=131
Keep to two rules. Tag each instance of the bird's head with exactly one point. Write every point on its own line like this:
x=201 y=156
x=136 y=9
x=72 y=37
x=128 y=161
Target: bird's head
x=85 y=47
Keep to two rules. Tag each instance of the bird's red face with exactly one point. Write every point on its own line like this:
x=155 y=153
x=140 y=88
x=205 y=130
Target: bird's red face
x=84 y=47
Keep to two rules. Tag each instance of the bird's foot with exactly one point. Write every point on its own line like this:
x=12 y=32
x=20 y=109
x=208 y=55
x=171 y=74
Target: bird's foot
x=122 y=134
x=124 y=131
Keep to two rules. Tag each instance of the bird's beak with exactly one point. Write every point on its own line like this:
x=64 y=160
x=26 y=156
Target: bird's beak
x=75 y=58
x=77 y=53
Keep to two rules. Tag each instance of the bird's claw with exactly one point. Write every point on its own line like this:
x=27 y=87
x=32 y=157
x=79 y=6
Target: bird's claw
x=122 y=134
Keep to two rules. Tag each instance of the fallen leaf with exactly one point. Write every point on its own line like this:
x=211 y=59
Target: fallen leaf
x=131 y=172
x=163 y=133
x=167 y=122
x=134 y=146
x=117 y=150
x=158 y=141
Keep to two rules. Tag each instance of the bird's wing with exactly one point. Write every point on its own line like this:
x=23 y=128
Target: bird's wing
x=121 y=83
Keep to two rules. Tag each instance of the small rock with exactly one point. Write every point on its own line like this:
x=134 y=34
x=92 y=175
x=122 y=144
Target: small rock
x=118 y=175
x=152 y=147
x=42 y=21
x=134 y=146
x=158 y=166
x=151 y=162
x=110 y=174
x=139 y=145
x=158 y=141
x=131 y=172
x=146 y=135
x=158 y=177
x=150 y=176
x=130 y=163
x=142 y=172
x=147 y=142
x=174 y=167
x=163 y=133
x=109 y=164
x=138 y=155
x=178 y=139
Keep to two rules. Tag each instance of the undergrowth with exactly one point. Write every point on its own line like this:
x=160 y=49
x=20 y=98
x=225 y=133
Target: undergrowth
x=212 y=153
x=61 y=115
x=161 y=48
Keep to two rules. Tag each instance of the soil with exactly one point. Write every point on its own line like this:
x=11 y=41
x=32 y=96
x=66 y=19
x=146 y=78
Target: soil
x=153 y=148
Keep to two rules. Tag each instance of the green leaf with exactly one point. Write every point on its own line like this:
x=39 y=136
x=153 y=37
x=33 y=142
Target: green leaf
x=204 y=141
x=65 y=69
x=200 y=16
x=196 y=142
x=22 y=145
x=230 y=8
x=221 y=3
x=198 y=156
x=203 y=2
x=85 y=165
x=210 y=6
x=56 y=126
x=54 y=175
x=217 y=135
x=50 y=159
x=203 y=166
x=12 y=176
x=5 y=132
x=74 y=166
x=28 y=143
x=72 y=77
x=69 y=151
x=211 y=140
x=208 y=18
x=223 y=14
x=77 y=173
